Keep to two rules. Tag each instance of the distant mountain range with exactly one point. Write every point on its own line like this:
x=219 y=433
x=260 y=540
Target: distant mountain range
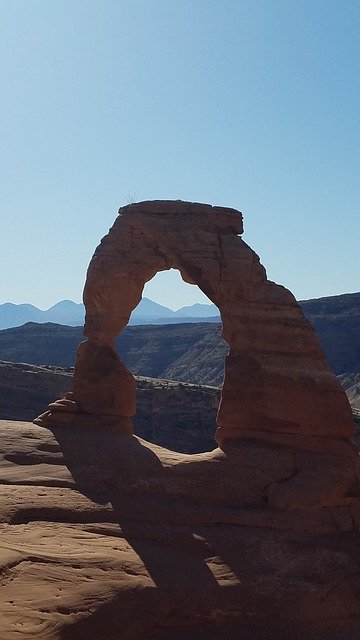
x=187 y=352
x=67 y=312
x=70 y=313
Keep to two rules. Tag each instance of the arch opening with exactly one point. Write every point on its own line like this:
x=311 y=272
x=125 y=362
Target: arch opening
x=180 y=369
x=169 y=288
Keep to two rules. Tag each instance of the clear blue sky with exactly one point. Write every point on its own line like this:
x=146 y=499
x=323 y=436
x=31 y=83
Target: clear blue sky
x=249 y=104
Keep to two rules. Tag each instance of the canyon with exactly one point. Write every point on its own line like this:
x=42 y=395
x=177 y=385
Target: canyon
x=176 y=415
x=191 y=352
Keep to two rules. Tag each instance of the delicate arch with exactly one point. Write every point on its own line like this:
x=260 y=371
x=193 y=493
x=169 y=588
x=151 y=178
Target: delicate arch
x=277 y=384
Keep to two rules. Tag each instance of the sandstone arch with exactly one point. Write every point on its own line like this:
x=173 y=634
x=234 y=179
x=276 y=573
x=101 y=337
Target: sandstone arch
x=277 y=384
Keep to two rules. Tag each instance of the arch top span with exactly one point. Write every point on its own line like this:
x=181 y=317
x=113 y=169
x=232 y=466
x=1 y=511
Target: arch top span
x=226 y=219
x=199 y=240
x=277 y=383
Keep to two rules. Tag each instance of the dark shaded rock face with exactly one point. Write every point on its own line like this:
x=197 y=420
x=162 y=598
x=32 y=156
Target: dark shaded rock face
x=336 y=321
x=179 y=416
x=176 y=415
x=351 y=384
x=188 y=352
x=40 y=344
x=24 y=388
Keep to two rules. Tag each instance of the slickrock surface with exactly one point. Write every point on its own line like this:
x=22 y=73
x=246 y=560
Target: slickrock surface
x=106 y=536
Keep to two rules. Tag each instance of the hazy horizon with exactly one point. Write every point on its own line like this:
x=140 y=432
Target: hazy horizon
x=205 y=301
x=253 y=105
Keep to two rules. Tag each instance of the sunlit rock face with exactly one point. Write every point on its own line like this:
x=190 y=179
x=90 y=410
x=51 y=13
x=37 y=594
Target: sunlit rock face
x=276 y=378
x=278 y=390
x=104 y=535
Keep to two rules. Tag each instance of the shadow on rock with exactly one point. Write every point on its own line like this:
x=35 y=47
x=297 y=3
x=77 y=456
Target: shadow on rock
x=101 y=463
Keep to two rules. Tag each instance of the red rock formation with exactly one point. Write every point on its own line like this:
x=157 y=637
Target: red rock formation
x=104 y=535
x=278 y=388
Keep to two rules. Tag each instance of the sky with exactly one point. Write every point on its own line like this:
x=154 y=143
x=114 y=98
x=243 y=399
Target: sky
x=248 y=104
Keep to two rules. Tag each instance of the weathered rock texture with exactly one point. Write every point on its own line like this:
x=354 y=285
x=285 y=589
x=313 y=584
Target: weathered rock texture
x=106 y=536
x=278 y=387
